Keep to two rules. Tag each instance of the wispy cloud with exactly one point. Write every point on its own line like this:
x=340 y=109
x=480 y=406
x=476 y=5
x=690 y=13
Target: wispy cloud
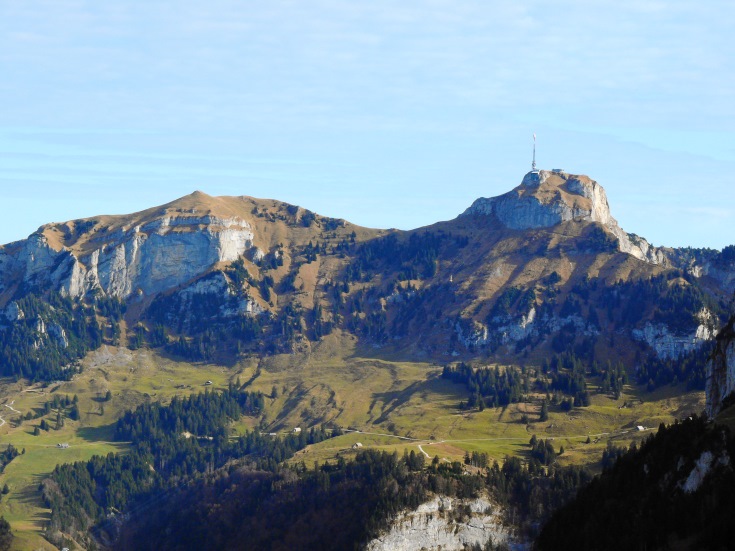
x=627 y=59
x=418 y=94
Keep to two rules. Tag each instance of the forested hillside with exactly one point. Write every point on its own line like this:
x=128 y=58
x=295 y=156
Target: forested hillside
x=529 y=324
x=263 y=277
x=675 y=492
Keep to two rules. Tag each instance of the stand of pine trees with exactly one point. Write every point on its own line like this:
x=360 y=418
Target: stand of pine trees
x=211 y=488
x=334 y=506
x=640 y=501
x=161 y=456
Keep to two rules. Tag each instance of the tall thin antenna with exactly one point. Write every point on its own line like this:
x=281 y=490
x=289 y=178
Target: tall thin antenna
x=533 y=164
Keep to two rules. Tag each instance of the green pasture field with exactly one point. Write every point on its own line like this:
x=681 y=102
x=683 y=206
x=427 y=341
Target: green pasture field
x=396 y=405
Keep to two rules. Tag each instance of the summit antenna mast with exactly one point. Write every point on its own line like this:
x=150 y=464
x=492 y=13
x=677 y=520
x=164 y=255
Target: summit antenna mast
x=533 y=164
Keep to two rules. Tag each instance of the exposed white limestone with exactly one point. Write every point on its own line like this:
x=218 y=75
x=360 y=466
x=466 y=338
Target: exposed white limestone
x=446 y=524
x=471 y=332
x=400 y=295
x=668 y=345
x=36 y=257
x=257 y=255
x=636 y=246
x=514 y=330
x=548 y=198
x=215 y=284
x=526 y=207
x=724 y=275
x=705 y=263
x=593 y=191
x=701 y=468
x=527 y=319
x=146 y=259
x=218 y=290
x=58 y=334
x=511 y=329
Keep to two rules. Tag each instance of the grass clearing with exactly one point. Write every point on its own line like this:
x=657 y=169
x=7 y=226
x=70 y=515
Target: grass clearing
x=131 y=377
x=396 y=405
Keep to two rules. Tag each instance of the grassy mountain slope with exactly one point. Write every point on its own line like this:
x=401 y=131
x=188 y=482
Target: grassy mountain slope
x=395 y=405
x=343 y=325
x=212 y=278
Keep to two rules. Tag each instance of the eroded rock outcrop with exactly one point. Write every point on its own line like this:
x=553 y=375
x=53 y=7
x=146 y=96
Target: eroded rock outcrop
x=146 y=259
x=447 y=524
x=721 y=369
x=508 y=329
x=216 y=290
x=670 y=345
x=545 y=199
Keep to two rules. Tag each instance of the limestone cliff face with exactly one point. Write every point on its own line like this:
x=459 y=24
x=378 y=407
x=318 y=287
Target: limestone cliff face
x=509 y=329
x=445 y=524
x=721 y=369
x=545 y=199
x=146 y=259
x=552 y=241
x=215 y=288
x=153 y=251
x=668 y=345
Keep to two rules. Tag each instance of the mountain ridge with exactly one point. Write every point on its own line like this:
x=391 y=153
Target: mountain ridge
x=548 y=198
x=543 y=199
x=511 y=276
x=465 y=329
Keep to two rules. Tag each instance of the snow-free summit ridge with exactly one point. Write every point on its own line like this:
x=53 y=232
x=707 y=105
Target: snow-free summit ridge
x=547 y=198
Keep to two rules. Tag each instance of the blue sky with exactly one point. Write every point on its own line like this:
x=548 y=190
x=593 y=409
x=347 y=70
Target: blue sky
x=388 y=114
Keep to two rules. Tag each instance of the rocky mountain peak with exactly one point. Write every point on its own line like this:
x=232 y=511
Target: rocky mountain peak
x=153 y=251
x=547 y=198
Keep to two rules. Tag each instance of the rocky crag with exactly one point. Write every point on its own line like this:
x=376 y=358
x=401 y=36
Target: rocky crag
x=445 y=524
x=153 y=251
x=549 y=198
x=721 y=370
x=556 y=211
